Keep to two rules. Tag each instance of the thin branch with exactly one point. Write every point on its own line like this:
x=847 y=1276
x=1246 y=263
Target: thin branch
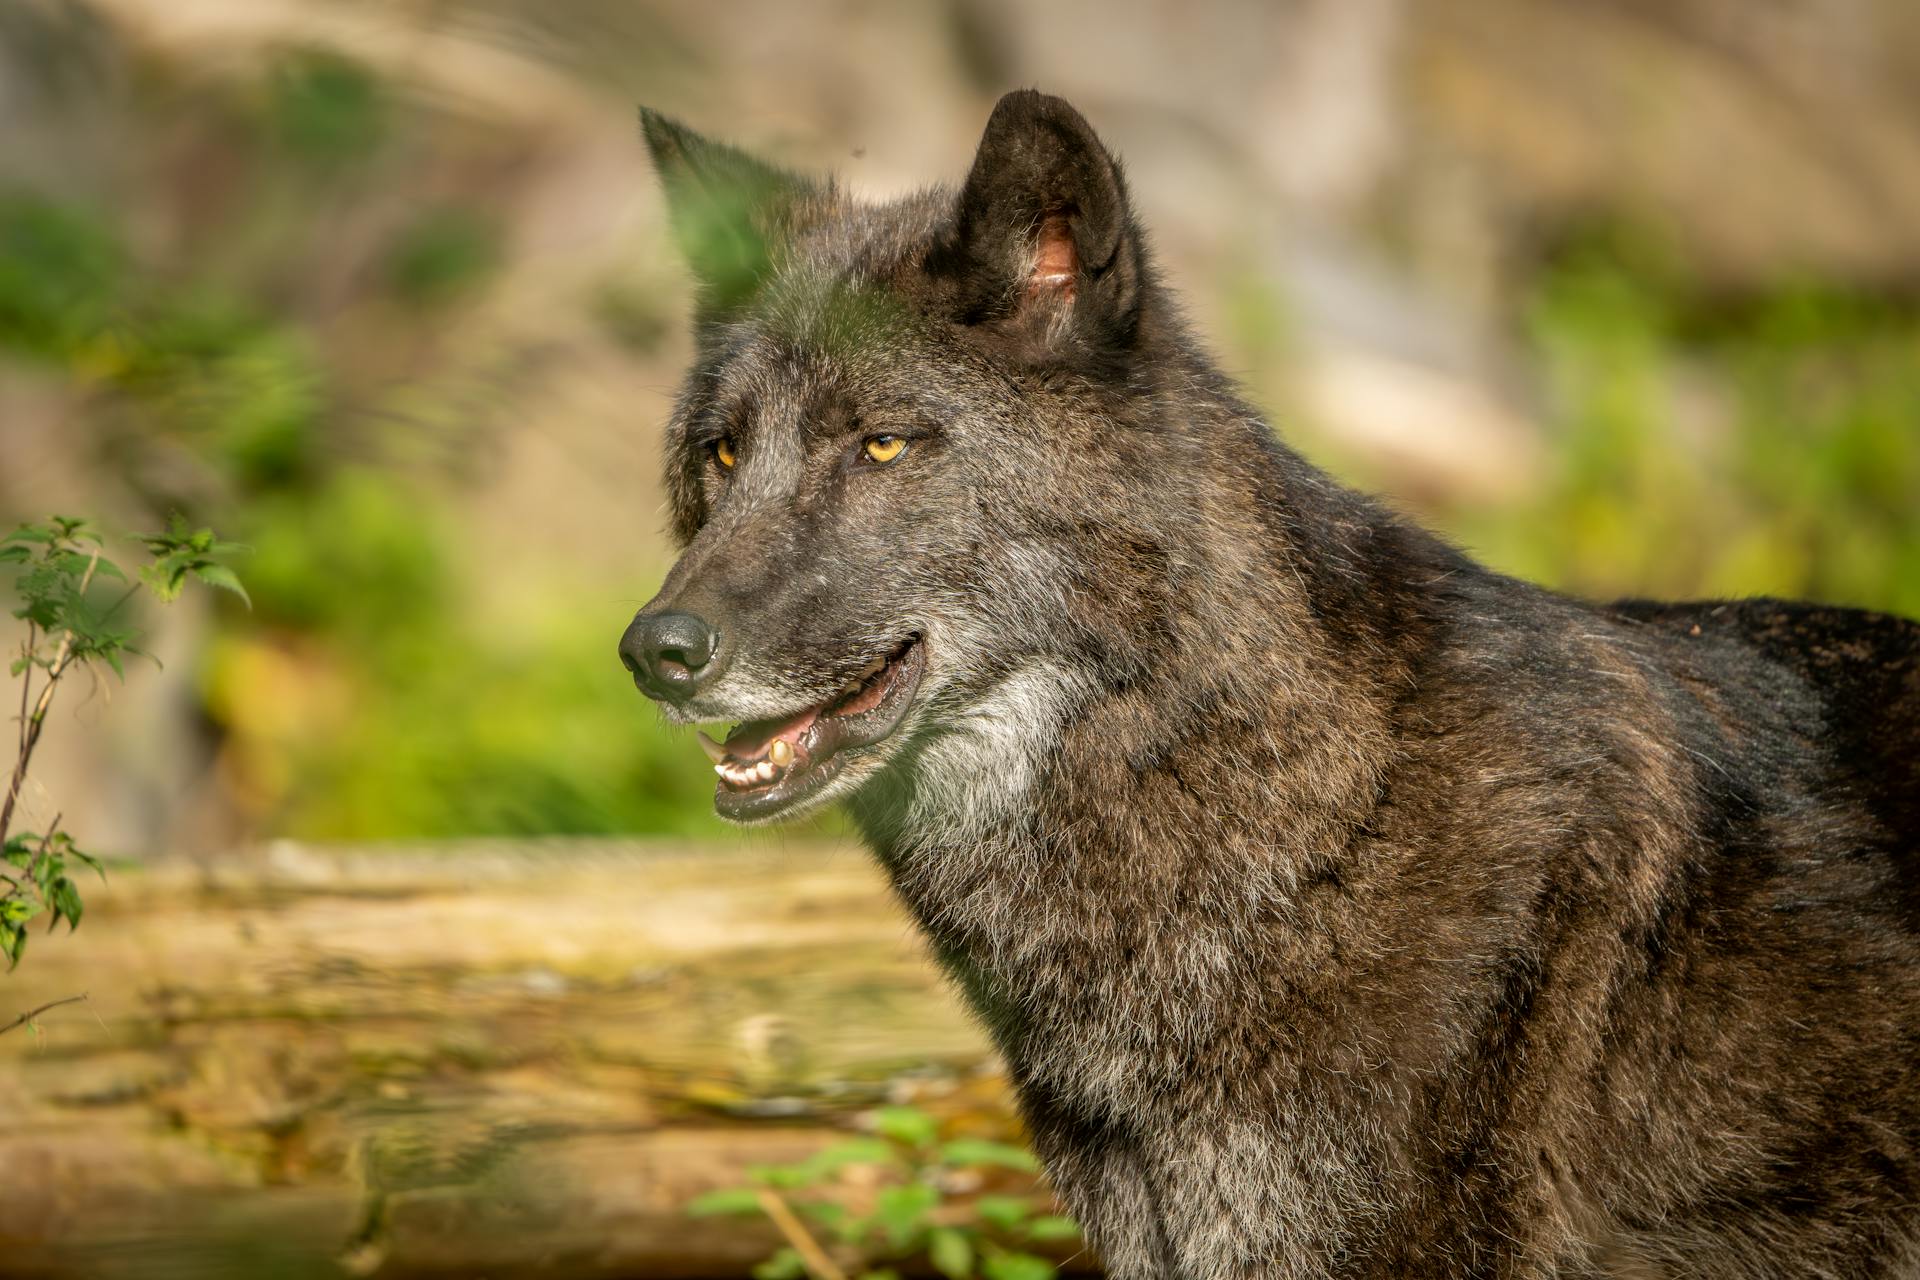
x=46 y=838
x=31 y=1014
x=124 y=597
x=26 y=686
x=30 y=734
x=817 y=1262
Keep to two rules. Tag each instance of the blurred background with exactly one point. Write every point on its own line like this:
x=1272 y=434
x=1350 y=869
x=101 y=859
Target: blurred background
x=1622 y=295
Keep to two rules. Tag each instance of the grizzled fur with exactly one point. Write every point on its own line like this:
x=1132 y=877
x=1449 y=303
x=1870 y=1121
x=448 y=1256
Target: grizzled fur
x=1340 y=907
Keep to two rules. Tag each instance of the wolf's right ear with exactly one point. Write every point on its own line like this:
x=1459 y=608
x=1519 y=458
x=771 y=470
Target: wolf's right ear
x=1043 y=247
x=732 y=214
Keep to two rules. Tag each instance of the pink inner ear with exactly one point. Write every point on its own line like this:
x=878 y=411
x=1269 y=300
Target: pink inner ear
x=1054 y=261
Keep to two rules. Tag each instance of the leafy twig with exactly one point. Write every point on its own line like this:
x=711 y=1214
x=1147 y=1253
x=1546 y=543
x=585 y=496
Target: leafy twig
x=59 y=561
x=31 y=1014
x=30 y=733
x=920 y=1207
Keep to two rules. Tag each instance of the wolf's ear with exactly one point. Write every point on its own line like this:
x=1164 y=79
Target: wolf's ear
x=732 y=214
x=1043 y=246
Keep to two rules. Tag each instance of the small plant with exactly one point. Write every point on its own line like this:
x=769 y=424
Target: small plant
x=74 y=620
x=861 y=1207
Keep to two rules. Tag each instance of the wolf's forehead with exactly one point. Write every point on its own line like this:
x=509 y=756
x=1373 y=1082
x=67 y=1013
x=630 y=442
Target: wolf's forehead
x=779 y=380
x=830 y=312
x=809 y=333
x=854 y=238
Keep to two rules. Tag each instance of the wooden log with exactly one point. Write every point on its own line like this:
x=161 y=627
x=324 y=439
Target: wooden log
x=499 y=1058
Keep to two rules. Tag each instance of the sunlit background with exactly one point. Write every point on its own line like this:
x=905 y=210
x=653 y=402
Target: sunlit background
x=1623 y=296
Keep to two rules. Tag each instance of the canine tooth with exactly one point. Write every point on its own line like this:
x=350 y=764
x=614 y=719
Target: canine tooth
x=715 y=752
x=781 y=752
x=721 y=769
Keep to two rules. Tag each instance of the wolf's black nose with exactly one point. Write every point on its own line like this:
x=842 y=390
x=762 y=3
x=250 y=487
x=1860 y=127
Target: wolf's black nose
x=668 y=653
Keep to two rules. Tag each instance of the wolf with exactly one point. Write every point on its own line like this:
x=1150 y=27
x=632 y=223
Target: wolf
x=1339 y=906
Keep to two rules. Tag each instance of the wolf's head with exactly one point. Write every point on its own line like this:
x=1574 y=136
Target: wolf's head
x=917 y=467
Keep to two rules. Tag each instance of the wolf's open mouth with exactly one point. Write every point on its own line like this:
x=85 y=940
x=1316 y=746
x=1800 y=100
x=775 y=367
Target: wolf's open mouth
x=769 y=765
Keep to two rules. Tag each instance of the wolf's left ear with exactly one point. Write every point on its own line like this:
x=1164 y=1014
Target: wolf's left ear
x=1043 y=246
x=732 y=214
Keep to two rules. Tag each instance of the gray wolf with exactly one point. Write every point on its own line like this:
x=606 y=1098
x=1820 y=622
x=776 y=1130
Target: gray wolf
x=1340 y=907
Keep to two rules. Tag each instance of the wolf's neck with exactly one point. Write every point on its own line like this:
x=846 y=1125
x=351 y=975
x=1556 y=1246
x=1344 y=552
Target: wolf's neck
x=1189 y=777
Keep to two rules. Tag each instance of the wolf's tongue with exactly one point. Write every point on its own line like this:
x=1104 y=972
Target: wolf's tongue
x=750 y=741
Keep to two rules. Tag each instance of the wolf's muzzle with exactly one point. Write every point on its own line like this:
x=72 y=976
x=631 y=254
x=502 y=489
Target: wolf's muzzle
x=670 y=654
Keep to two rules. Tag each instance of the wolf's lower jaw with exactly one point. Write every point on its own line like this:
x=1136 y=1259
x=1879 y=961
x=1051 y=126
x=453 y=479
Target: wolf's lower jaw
x=769 y=768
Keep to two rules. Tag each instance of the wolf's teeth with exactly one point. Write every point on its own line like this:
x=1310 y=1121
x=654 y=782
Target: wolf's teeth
x=763 y=770
x=723 y=770
x=781 y=752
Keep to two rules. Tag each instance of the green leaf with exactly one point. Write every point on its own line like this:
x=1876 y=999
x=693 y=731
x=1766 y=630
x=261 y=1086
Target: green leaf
x=218 y=575
x=31 y=533
x=852 y=1151
x=91 y=861
x=951 y=1252
x=164 y=579
x=879 y=1273
x=902 y=1211
x=14 y=553
x=16 y=911
x=733 y=1200
x=1016 y=1266
x=825 y=1213
x=853 y=1228
x=784 y=1265
x=1053 y=1227
x=908 y=1125
x=1005 y=1212
x=66 y=901
x=979 y=1151
x=78 y=562
x=13 y=940
x=786 y=1177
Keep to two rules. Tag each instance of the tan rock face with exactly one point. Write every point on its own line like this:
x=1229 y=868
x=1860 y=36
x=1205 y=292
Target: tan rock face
x=1764 y=143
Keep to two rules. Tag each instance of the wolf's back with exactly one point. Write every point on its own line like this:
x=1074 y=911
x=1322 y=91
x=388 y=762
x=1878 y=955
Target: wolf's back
x=1863 y=667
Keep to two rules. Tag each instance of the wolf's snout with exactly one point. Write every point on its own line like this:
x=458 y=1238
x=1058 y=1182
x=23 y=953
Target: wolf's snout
x=670 y=654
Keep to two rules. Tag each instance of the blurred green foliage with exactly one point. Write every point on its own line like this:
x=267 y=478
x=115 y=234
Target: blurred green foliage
x=916 y=1203
x=443 y=255
x=1705 y=446
x=325 y=108
x=59 y=272
x=363 y=696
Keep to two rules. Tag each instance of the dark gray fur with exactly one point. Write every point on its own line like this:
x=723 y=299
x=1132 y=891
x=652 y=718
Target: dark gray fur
x=1340 y=907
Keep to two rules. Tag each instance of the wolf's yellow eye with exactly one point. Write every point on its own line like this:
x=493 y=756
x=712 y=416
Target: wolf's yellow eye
x=885 y=448
x=723 y=452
